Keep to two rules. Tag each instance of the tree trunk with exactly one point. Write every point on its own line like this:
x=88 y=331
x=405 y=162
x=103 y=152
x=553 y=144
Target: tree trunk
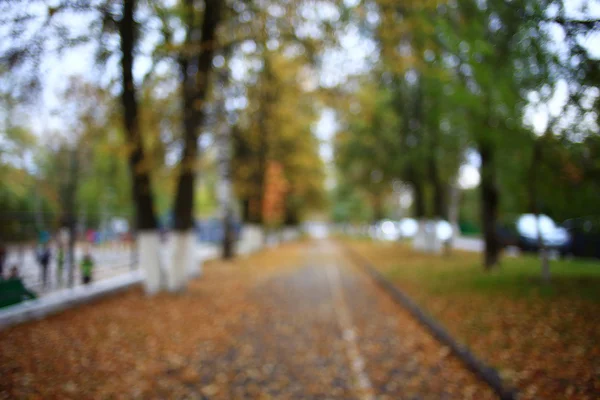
x=39 y=216
x=184 y=198
x=69 y=202
x=226 y=188
x=291 y=214
x=419 y=199
x=261 y=177
x=133 y=251
x=489 y=205
x=377 y=208
x=535 y=209
x=440 y=205
x=146 y=224
x=432 y=131
x=195 y=73
x=224 y=150
x=454 y=211
x=420 y=239
x=263 y=144
x=454 y=205
x=228 y=235
x=544 y=256
x=71 y=253
x=546 y=275
x=246 y=209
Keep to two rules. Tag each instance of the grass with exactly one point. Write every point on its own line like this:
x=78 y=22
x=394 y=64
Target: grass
x=471 y=234
x=542 y=338
x=516 y=277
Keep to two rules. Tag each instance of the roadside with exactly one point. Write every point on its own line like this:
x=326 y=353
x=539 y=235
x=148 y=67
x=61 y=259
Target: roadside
x=543 y=339
x=111 y=259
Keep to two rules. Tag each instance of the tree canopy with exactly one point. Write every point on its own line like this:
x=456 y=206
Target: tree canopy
x=441 y=83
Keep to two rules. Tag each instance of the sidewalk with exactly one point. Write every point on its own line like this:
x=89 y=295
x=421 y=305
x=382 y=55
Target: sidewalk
x=111 y=259
x=115 y=279
x=106 y=284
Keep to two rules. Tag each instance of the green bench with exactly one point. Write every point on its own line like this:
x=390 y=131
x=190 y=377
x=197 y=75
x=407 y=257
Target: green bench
x=12 y=291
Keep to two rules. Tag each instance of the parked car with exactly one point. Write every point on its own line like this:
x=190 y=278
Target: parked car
x=407 y=228
x=525 y=232
x=386 y=230
x=585 y=236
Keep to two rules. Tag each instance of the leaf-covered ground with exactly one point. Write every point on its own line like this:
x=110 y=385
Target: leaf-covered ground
x=545 y=340
x=298 y=322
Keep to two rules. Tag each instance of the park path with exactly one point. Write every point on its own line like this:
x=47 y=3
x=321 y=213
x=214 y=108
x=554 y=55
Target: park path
x=324 y=330
x=296 y=322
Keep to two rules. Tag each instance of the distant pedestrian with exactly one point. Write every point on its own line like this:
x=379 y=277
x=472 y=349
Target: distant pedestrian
x=14 y=272
x=3 y=256
x=87 y=267
x=60 y=264
x=44 y=260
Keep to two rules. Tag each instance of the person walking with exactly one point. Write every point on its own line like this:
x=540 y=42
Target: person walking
x=3 y=256
x=44 y=260
x=60 y=264
x=87 y=267
x=14 y=272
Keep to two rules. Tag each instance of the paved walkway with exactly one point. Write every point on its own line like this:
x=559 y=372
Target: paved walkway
x=324 y=330
x=297 y=322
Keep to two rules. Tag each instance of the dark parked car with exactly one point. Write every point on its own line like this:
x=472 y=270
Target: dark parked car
x=522 y=232
x=585 y=236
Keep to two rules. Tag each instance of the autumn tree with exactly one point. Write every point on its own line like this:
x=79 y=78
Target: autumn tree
x=478 y=58
x=366 y=148
x=278 y=130
x=41 y=31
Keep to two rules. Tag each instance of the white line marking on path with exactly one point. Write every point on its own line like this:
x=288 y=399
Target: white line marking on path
x=357 y=363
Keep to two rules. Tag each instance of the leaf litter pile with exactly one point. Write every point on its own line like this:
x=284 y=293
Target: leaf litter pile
x=547 y=347
x=264 y=326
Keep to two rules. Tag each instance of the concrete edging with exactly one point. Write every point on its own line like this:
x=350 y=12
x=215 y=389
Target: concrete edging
x=482 y=370
x=64 y=299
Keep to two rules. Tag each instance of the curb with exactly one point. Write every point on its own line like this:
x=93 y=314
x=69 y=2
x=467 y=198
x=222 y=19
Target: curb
x=488 y=374
x=54 y=303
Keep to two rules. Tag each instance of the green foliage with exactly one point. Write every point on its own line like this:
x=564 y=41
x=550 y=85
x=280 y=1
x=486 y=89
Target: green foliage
x=447 y=78
x=470 y=213
x=366 y=149
x=207 y=203
x=460 y=78
x=349 y=205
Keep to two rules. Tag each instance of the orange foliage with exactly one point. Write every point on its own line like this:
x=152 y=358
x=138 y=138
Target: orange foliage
x=276 y=187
